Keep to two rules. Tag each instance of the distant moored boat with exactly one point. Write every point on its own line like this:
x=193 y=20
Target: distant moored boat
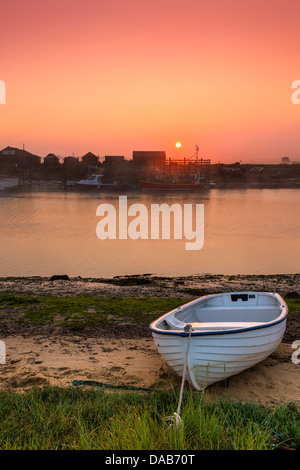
x=94 y=182
x=6 y=183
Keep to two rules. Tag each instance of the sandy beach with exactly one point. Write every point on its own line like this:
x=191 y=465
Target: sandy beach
x=40 y=355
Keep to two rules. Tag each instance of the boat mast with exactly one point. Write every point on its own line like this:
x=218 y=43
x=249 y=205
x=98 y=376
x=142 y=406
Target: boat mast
x=197 y=150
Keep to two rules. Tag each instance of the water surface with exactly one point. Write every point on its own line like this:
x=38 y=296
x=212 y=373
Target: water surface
x=245 y=232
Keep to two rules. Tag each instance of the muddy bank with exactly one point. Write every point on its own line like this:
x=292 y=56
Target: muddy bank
x=58 y=360
x=150 y=285
x=46 y=354
x=145 y=285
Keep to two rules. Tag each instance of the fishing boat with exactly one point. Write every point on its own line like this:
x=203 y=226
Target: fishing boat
x=197 y=184
x=220 y=335
x=169 y=186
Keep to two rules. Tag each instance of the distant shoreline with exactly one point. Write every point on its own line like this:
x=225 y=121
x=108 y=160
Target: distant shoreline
x=55 y=185
x=48 y=346
x=150 y=284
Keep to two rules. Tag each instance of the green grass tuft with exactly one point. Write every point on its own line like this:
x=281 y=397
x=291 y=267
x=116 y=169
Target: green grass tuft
x=52 y=418
x=82 y=311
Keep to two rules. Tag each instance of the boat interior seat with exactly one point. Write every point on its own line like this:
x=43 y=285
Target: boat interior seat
x=174 y=322
x=224 y=325
x=235 y=314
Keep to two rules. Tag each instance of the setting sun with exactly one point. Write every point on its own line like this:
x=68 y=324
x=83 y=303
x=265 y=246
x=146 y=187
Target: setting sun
x=178 y=145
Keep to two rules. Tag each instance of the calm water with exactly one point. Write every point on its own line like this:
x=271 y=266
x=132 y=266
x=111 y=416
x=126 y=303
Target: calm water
x=245 y=232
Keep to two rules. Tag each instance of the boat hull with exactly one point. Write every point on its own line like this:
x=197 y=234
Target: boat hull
x=224 y=334
x=95 y=183
x=216 y=357
x=163 y=186
x=97 y=187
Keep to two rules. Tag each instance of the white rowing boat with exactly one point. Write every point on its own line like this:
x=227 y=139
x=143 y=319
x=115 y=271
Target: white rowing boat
x=220 y=335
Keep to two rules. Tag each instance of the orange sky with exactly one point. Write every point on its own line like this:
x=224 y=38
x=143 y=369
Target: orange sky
x=113 y=76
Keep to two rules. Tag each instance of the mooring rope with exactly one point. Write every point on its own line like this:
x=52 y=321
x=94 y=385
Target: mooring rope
x=106 y=385
x=176 y=419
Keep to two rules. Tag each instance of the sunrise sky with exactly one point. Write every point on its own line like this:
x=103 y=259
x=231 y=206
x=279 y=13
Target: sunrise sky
x=113 y=76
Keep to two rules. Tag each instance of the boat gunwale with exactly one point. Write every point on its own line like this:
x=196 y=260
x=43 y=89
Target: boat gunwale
x=215 y=332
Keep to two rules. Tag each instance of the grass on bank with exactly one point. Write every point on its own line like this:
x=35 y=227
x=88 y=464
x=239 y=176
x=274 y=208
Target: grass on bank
x=80 y=311
x=52 y=418
x=77 y=418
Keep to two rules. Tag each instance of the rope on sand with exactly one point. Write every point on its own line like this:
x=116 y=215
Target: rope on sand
x=95 y=383
x=175 y=419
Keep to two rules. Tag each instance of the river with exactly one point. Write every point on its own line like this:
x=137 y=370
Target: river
x=246 y=231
